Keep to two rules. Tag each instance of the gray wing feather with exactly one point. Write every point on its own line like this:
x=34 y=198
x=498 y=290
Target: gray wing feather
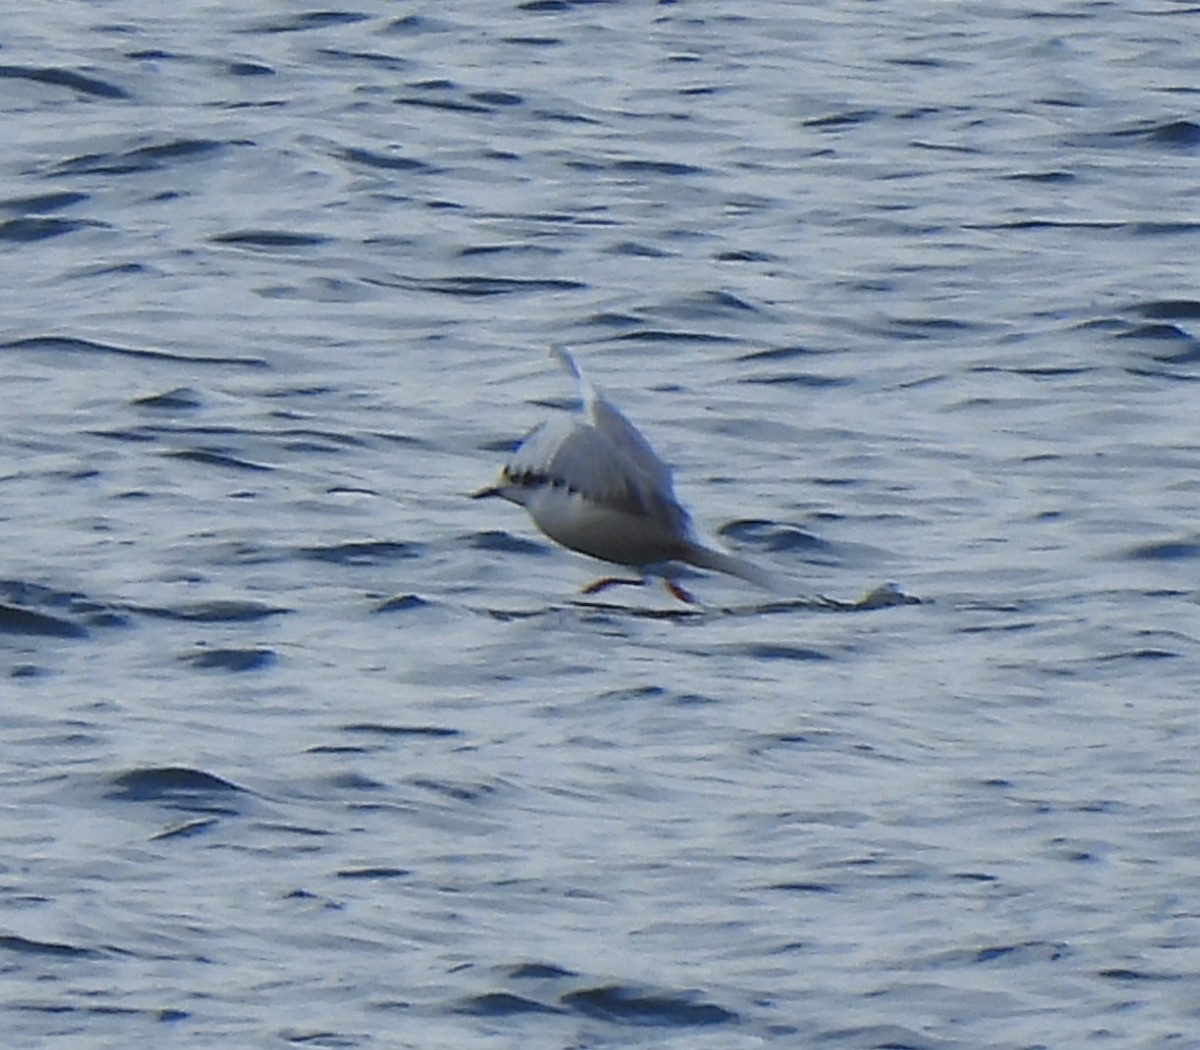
x=566 y=451
x=625 y=438
x=623 y=435
x=584 y=458
x=605 y=458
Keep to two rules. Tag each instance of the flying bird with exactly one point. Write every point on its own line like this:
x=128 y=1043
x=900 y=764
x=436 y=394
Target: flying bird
x=594 y=485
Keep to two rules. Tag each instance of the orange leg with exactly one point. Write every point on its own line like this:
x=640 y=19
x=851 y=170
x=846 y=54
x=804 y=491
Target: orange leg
x=596 y=586
x=681 y=593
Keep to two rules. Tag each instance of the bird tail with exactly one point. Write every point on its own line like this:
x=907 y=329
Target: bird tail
x=719 y=561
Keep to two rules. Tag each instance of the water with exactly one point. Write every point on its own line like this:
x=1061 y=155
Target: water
x=302 y=746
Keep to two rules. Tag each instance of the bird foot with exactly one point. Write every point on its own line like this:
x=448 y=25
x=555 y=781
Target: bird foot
x=682 y=593
x=596 y=586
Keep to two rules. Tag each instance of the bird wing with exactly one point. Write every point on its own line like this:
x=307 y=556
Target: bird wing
x=583 y=459
x=625 y=439
x=576 y=456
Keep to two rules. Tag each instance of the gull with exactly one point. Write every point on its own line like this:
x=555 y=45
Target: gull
x=594 y=485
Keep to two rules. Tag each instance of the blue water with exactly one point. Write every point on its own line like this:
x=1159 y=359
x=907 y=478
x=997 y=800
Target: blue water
x=304 y=747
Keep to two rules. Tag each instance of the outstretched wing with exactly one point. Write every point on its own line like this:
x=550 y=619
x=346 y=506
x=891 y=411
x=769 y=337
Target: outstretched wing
x=604 y=459
x=571 y=454
x=626 y=441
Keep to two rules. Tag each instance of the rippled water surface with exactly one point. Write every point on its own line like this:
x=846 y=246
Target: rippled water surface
x=304 y=747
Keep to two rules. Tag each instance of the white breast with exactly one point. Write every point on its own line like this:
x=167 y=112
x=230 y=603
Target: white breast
x=602 y=531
